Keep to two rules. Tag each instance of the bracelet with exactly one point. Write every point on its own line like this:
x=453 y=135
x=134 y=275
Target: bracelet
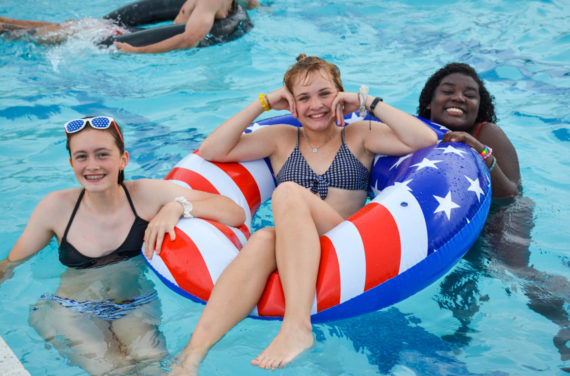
x=362 y=97
x=186 y=206
x=486 y=153
x=493 y=164
x=374 y=103
x=264 y=102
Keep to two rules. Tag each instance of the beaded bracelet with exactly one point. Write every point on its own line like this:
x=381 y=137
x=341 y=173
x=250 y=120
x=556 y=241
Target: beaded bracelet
x=486 y=153
x=264 y=102
x=493 y=164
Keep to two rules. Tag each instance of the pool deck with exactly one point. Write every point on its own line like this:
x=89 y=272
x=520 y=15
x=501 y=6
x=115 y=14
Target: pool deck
x=9 y=363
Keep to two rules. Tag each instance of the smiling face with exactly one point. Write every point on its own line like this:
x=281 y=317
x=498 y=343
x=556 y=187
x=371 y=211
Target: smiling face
x=95 y=158
x=314 y=94
x=455 y=102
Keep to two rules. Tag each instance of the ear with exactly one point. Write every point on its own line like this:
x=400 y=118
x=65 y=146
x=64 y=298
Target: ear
x=428 y=107
x=124 y=160
x=70 y=162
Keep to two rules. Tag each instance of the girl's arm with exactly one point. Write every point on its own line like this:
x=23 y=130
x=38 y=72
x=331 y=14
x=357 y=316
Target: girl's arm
x=400 y=133
x=504 y=162
x=36 y=235
x=166 y=212
x=227 y=143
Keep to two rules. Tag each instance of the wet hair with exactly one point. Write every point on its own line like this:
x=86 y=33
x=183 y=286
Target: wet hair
x=117 y=136
x=308 y=64
x=486 y=106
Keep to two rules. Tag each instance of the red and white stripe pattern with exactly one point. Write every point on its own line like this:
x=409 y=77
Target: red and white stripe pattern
x=359 y=254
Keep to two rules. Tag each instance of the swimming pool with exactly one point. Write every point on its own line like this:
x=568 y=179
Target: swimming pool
x=475 y=321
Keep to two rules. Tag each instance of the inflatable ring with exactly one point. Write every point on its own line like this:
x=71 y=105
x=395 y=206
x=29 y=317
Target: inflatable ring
x=144 y=12
x=427 y=209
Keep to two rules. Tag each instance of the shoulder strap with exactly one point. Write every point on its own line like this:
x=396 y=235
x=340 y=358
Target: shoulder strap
x=130 y=200
x=481 y=124
x=73 y=213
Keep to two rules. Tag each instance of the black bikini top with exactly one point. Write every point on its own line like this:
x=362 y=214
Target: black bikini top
x=131 y=247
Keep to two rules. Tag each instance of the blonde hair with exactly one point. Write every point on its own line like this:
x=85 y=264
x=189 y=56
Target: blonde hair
x=308 y=64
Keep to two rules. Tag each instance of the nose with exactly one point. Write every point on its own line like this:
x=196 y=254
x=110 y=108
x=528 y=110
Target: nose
x=92 y=163
x=458 y=96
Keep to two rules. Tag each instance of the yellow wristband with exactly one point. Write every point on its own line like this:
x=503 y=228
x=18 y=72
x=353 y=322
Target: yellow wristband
x=263 y=99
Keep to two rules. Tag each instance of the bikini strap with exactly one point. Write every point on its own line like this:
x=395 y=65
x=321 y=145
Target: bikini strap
x=73 y=213
x=130 y=201
x=342 y=135
x=481 y=124
x=298 y=136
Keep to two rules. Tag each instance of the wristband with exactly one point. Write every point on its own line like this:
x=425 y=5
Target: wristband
x=487 y=152
x=264 y=102
x=186 y=205
x=374 y=103
x=362 y=97
x=493 y=164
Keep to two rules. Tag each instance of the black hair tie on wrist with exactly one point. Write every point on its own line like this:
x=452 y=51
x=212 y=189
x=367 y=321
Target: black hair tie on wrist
x=374 y=103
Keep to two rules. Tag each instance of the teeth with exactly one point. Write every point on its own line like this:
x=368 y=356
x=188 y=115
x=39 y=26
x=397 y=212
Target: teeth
x=455 y=110
x=94 y=177
x=317 y=116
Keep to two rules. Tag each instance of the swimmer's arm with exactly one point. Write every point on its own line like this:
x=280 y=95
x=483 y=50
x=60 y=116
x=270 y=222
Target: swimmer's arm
x=198 y=25
x=505 y=176
x=227 y=143
x=36 y=235
x=167 y=212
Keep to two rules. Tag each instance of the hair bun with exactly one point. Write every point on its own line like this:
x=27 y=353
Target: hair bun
x=301 y=57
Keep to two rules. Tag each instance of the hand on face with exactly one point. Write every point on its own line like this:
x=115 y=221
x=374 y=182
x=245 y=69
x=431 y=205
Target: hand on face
x=343 y=104
x=282 y=99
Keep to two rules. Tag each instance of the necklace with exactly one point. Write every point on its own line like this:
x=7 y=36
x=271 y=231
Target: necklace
x=316 y=148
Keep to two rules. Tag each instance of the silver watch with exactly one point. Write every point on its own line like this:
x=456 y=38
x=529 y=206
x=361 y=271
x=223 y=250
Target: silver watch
x=186 y=205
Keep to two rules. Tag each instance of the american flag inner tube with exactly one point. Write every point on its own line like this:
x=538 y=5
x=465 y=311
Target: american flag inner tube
x=426 y=210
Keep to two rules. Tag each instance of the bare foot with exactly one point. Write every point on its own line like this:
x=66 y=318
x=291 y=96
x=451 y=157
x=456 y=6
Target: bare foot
x=286 y=346
x=188 y=364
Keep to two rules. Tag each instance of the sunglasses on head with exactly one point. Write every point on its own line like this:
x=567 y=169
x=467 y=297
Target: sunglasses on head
x=97 y=122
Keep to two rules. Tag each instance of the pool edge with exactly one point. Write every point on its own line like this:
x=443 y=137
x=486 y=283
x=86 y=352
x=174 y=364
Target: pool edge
x=9 y=364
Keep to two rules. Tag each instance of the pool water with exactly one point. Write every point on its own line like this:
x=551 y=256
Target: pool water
x=483 y=318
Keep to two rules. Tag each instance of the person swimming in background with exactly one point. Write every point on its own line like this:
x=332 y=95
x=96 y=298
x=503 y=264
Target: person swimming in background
x=455 y=96
x=104 y=315
x=322 y=173
x=195 y=23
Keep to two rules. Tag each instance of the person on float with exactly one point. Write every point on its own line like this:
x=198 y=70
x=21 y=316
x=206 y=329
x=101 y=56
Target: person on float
x=322 y=171
x=198 y=15
x=104 y=315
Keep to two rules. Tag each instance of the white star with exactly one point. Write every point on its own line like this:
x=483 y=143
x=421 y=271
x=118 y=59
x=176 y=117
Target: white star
x=400 y=160
x=404 y=185
x=445 y=204
x=451 y=149
x=426 y=163
x=255 y=126
x=353 y=118
x=474 y=186
x=375 y=189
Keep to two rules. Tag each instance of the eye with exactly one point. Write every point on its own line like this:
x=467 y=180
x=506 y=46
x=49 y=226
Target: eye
x=102 y=155
x=80 y=157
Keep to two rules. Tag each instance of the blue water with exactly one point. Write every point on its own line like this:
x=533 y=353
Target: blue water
x=475 y=321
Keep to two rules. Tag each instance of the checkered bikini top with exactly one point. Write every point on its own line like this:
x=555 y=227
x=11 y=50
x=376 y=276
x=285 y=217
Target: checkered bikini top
x=345 y=171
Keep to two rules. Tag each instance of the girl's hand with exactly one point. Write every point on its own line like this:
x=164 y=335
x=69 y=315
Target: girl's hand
x=343 y=104
x=282 y=99
x=162 y=223
x=465 y=138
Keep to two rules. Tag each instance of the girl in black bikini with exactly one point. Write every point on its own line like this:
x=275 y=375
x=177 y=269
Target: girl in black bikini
x=104 y=316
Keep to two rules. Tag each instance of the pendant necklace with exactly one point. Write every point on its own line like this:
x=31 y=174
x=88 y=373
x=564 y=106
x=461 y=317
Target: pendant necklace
x=316 y=148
